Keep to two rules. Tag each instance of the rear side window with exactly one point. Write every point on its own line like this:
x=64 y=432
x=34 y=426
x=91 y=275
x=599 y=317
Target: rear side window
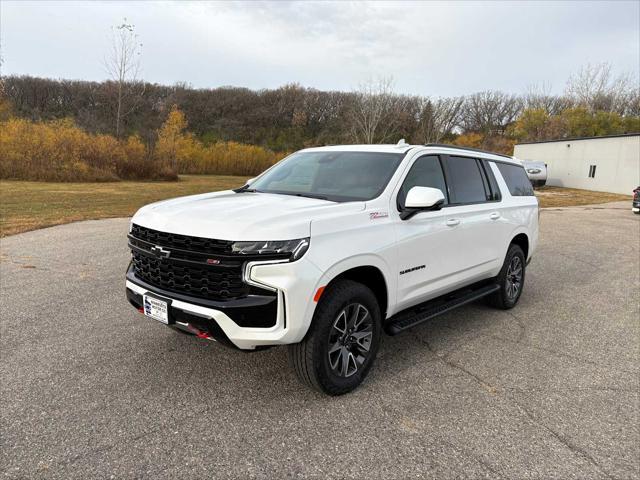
x=516 y=179
x=425 y=172
x=465 y=180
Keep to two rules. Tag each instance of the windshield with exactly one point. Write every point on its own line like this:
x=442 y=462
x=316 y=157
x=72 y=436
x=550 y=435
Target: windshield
x=334 y=176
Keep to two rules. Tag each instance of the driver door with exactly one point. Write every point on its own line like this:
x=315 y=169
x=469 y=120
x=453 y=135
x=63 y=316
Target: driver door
x=423 y=241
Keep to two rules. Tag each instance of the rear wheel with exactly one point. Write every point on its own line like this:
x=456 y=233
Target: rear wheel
x=510 y=279
x=341 y=345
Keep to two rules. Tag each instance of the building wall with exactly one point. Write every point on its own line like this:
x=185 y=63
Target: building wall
x=617 y=161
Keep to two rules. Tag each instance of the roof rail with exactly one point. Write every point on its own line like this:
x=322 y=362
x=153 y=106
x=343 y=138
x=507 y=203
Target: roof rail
x=466 y=148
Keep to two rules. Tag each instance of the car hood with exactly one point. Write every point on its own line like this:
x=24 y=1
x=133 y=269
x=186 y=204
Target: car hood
x=239 y=216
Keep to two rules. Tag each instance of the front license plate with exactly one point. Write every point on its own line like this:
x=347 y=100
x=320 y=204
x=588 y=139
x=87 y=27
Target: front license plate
x=156 y=309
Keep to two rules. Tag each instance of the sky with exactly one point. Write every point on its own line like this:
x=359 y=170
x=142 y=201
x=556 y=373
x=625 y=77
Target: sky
x=428 y=48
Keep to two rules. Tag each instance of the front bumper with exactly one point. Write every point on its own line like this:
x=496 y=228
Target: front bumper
x=635 y=206
x=251 y=322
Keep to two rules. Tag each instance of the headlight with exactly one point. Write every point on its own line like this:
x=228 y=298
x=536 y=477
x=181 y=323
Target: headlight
x=296 y=248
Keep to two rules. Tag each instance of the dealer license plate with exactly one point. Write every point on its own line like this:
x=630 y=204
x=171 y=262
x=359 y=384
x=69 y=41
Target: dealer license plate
x=156 y=309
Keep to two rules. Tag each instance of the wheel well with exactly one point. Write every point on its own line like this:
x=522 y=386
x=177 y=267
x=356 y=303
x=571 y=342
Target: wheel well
x=523 y=242
x=372 y=278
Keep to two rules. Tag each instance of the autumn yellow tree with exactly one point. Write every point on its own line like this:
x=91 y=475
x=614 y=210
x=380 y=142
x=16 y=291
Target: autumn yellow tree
x=471 y=139
x=170 y=136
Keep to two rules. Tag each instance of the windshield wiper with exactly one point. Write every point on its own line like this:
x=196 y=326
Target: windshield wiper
x=276 y=192
x=306 y=195
x=245 y=188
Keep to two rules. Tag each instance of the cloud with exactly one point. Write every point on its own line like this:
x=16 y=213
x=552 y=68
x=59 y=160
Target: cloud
x=430 y=48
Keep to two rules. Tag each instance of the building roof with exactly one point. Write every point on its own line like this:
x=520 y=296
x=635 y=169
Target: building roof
x=574 y=139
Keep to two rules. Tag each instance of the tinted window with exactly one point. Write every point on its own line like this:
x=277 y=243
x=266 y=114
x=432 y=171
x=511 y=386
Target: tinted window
x=425 y=172
x=516 y=179
x=336 y=176
x=466 y=180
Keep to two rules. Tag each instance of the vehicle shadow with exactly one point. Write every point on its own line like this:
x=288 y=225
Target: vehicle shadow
x=212 y=365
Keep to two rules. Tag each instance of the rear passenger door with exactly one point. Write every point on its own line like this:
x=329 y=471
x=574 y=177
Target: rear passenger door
x=474 y=217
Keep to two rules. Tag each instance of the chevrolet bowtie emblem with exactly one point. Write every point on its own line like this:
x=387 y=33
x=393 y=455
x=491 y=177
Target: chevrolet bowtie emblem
x=160 y=252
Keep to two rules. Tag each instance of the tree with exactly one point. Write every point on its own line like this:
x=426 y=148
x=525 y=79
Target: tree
x=438 y=118
x=170 y=135
x=490 y=113
x=539 y=97
x=123 y=65
x=595 y=88
x=373 y=109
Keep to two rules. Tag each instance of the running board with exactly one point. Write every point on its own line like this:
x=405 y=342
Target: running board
x=428 y=310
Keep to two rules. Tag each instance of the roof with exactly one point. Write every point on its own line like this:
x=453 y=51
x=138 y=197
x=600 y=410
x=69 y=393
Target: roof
x=380 y=148
x=574 y=139
x=404 y=148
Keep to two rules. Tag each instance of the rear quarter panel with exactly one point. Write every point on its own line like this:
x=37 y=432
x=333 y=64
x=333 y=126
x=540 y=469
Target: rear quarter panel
x=520 y=213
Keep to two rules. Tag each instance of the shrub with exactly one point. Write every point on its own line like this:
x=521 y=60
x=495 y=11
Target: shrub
x=55 y=151
x=188 y=155
x=60 y=151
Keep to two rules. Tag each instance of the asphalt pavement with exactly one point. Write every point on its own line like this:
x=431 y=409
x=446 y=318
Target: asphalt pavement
x=89 y=388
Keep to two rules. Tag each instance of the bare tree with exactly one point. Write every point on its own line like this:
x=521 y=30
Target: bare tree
x=595 y=88
x=372 y=116
x=540 y=97
x=438 y=118
x=633 y=105
x=123 y=65
x=490 y=112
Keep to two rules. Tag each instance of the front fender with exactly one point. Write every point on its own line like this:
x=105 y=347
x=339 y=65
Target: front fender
x=364 y=260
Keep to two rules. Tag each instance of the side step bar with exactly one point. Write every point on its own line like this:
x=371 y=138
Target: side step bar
x=428 y=310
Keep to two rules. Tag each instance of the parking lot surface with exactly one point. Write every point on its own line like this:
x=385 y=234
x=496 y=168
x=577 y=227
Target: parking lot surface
x=90 y=388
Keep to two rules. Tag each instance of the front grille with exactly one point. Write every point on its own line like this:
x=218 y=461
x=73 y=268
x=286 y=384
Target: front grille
x=220 y=283
x=183 y=242
x=189 y=269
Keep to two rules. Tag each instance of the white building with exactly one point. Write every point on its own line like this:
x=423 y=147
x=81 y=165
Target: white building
x=605 y=164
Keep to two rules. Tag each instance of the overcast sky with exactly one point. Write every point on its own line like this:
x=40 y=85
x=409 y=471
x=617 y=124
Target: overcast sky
x=429 y=48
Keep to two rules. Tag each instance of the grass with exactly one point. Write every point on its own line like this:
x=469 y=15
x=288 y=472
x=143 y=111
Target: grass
x=571 y=197
x=28 y=206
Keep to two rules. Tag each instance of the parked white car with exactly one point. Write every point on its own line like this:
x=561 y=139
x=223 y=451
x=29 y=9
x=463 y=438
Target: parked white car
x=333 y=246
x=537 y=172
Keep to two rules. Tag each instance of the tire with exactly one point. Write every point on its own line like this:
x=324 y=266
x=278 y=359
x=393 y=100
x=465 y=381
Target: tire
x=324 y=368
x=506 y=297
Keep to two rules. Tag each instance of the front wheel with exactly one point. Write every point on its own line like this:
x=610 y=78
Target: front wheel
x=510 y=279
x=339 y=349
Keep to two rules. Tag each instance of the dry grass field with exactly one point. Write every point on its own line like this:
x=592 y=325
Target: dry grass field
x=28 y=206
x=571 y=197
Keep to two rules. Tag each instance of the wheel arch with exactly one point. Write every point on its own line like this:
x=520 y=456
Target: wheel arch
x=522 y=240
x=372 y=278
x=368 y=270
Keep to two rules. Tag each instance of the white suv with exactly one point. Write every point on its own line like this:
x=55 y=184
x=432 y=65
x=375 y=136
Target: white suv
x=334 y=245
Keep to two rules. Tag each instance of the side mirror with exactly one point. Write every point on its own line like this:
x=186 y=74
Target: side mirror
x=420 y=199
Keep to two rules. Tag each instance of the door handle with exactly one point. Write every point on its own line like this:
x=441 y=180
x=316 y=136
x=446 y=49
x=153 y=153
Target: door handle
x=452 y=222
x=494 y=216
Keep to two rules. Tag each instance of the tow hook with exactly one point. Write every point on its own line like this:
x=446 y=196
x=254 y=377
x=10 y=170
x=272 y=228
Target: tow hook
x=199 y=333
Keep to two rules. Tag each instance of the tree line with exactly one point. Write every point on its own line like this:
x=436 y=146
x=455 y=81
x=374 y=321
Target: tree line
x=291 y=117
